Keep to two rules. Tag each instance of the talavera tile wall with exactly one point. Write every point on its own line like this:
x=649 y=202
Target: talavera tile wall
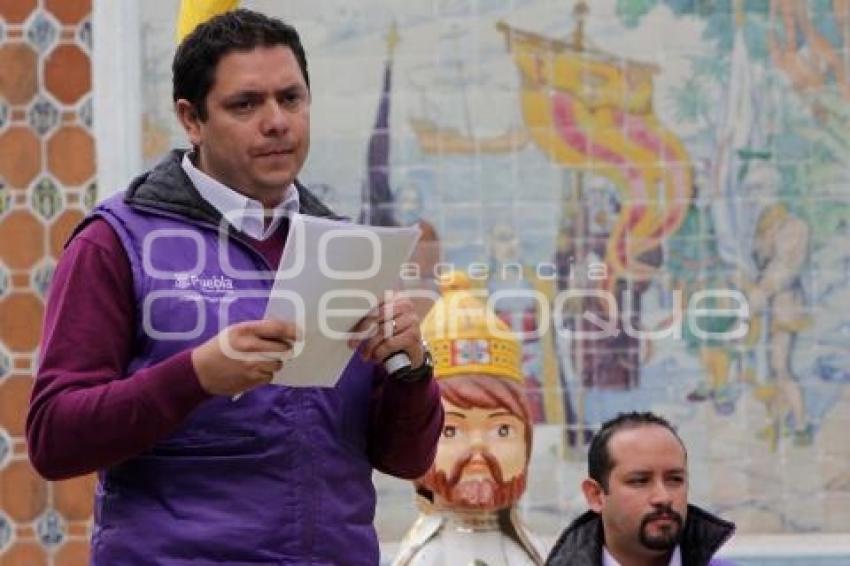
x=47 y=171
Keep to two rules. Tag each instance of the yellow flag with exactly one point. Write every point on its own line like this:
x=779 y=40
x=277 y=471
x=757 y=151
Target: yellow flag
x=195 y=12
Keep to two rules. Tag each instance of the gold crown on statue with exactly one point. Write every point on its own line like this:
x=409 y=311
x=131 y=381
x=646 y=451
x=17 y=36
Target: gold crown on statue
x=195 y=12
x=465 y=337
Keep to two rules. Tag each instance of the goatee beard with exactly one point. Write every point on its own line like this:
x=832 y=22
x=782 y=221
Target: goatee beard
x=669 y=538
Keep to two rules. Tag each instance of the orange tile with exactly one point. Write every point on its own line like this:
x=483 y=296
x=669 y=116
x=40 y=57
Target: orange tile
x=67 y=73
x=20 y=448
x=16 y=11
x=26 y=531
x=23 y=494
x=20 y=155
x=24 y=554
x=80 y=529
x=69 y=11
x=21 y=240
x=20 y=321
x=70 y=155
x=19 y=79
x=72 y=553
x=62 y=228
x=73 y=498
x=23 y=363
x=14 y=399
x=21 y=280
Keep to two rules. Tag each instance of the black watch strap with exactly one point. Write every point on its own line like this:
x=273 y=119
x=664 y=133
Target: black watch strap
x=421 y=373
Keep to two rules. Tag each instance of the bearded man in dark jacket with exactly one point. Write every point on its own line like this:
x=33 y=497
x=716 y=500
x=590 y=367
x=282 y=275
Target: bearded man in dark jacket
x=637 y=491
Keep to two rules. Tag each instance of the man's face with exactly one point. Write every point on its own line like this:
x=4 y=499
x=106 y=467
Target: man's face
x=645 y=507
x=257 y=132
x=481 y=458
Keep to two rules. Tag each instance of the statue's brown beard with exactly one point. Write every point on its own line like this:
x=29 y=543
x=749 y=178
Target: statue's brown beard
x=479 y=494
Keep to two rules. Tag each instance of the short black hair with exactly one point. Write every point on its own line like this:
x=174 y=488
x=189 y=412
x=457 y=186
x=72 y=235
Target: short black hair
x=197 y=56
x=599 y=460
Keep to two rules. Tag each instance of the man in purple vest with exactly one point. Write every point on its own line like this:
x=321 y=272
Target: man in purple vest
x=160 y=283
x=638 y=497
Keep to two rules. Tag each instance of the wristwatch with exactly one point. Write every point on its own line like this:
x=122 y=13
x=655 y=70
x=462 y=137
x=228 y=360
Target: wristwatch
x=421 y=373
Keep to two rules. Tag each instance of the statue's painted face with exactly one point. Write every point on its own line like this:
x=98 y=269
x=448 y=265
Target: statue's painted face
x=481 y=459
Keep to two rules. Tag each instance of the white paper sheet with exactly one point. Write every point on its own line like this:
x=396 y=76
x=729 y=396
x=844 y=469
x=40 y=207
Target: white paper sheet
x=330 y=275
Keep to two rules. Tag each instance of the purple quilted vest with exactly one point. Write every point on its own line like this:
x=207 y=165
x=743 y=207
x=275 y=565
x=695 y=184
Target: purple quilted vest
x=280 y=476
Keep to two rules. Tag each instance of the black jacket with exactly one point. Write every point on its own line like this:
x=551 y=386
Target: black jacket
x=581 y=543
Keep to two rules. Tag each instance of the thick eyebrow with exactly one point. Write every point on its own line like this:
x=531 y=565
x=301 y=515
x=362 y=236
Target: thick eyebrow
x=293 y=89
x=256 y=94
x=677 y=471
x=456 y=414
x=243 y=94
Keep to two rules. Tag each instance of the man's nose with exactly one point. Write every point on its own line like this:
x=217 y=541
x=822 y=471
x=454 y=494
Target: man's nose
x=274 y=118
x=661 y=494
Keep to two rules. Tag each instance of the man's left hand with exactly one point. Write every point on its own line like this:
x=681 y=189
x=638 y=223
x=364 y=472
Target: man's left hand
x=389 y=328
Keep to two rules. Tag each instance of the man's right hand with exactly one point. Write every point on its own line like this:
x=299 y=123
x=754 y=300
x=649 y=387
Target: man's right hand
x=243 y=356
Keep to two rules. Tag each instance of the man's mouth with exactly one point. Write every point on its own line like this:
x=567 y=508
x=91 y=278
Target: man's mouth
x=666 y=518
x=274 y=152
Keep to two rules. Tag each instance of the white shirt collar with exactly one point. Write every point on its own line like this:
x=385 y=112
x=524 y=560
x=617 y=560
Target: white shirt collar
x=608 y=560
x=243 y=213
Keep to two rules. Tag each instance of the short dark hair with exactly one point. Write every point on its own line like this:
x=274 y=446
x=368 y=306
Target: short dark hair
x=197 y=56
x=599 y=460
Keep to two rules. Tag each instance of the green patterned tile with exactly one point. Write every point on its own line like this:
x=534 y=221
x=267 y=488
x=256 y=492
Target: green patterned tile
x=5 y=198
x=43 y=116
x=90 y=196
x=4 y=114
x=41 y=31
x=50 y=529
x=46 y=199
x=5 y=362
x=6 y=448
x=84 y=34
x=41 y=276
x=5 y=280
x=7 y=532
x=86 y=113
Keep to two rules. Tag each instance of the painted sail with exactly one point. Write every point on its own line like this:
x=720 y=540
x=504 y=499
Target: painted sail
x=590 y=111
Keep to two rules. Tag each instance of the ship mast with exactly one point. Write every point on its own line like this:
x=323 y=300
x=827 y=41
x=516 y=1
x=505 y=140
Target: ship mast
x=571 y=246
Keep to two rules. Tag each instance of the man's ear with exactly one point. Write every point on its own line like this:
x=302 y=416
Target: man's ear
x=593 y=494
x=189 y=118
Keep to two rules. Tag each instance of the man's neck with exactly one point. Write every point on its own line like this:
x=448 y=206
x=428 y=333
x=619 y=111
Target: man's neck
x=269 y=202
x=624 y=557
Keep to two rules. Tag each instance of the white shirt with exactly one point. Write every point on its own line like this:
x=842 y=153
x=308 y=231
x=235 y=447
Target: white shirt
x=608 y=560
x=245 y=214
